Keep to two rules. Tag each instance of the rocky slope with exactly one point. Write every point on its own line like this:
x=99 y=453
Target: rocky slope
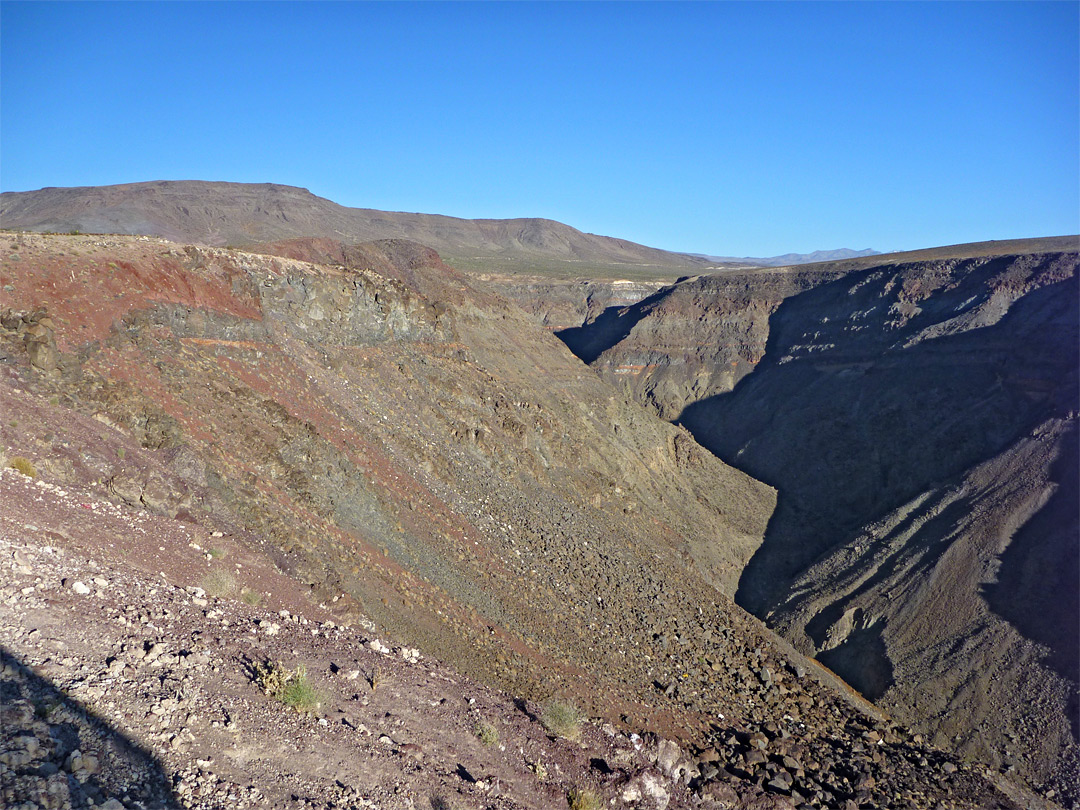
x=379 y=445
x=125 y=685
x=918 y=422
x=958 y=611
x=218 y=214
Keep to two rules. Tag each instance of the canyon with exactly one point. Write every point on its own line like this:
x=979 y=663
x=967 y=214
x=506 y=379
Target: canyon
x=833 y=505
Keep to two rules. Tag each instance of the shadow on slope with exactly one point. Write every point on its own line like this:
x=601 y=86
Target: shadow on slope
x=51 y=734
x=855 y=410
x=1036 y=590
x=591 y=340
x=863 y=661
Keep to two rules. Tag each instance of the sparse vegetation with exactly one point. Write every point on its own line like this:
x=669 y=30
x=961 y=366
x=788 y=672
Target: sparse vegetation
x=289 y=686
x=218 y=583
x=539 y=769
x=583 y=799
x=562 y=719
x=488 y=734
x=250 y=597
x=23 y=465
x=376 y=677
x=217 y=553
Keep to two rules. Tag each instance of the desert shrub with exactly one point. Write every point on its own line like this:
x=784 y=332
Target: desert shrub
x=250 y=597
x=217 y=553
x=583 y=799
x=488 y=734
x=562 y=719
x=219 y=582
x=23 y=465
x=291 y=687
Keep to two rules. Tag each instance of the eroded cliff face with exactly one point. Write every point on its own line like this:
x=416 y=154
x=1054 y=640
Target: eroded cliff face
x=916 y=420
x=560 y=305
x=958 y=611
x=692 y=340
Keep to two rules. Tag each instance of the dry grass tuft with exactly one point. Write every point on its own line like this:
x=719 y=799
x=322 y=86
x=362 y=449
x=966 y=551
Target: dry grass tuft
x=219 y=583
x=488 y=734
x=562 y=719
x=583 y=799
x=23 y=465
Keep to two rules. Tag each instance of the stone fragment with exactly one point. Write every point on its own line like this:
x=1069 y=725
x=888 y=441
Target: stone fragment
x=668 y=755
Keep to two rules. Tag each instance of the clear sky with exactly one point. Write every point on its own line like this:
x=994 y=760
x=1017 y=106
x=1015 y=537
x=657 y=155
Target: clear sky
x=746 y=129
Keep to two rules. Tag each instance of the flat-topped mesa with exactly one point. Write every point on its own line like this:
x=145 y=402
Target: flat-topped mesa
x=218 y=214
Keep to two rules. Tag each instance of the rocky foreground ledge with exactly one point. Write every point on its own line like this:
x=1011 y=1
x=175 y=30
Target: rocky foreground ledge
x=122 y=688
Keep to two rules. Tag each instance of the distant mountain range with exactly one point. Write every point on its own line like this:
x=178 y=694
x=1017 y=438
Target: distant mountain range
x=792 y=258
x=216 y=213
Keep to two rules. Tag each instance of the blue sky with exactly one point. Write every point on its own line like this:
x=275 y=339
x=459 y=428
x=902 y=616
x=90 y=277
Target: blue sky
x=745 y=129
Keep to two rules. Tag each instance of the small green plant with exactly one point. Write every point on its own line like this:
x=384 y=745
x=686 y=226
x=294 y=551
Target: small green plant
x=121 y=452
x=290 y=687
x=219 y=582
x=583 y=799
x=562 y=719
x=250 y=597
x=488 y=734
x=23 y=465
x=43 y=709
x=217 y=553
x=539 y=769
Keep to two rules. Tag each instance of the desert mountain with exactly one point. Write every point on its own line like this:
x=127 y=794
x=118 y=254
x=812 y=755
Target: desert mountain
x=917 y=416
x=383 y=449
x=219 y=214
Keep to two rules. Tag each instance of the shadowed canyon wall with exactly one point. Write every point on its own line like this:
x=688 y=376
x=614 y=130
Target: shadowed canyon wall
x=918 y=421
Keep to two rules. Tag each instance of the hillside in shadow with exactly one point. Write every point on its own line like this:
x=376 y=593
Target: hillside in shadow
x=856 y=408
